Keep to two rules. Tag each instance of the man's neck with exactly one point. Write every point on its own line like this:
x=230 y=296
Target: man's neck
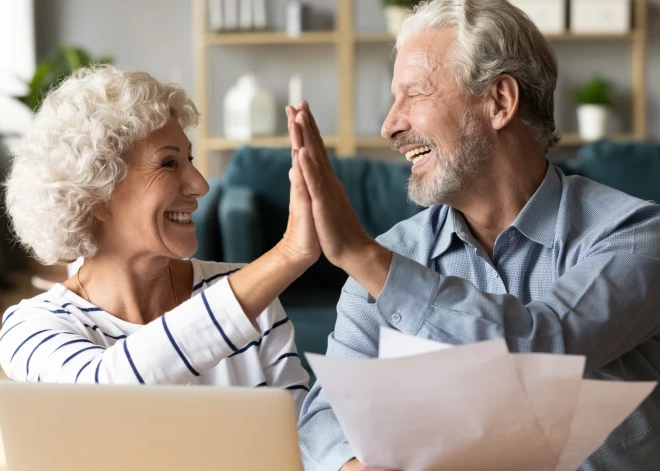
x=493 y=201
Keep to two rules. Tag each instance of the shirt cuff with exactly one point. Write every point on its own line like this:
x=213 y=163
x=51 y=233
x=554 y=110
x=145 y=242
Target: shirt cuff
x=408 y=294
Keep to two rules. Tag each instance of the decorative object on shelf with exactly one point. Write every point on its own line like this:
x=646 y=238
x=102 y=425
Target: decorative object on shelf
x=259 y=12
x=245 y=14
x=295 y=89
x=249 y=110
x=594 y=99
x=230 y=14
x=548 y=15
x=600 y=16
x=216 y=20
x=396 y=11
x=294 y=13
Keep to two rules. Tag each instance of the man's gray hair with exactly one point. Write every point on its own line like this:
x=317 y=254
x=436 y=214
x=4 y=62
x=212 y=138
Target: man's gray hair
x=495 y=38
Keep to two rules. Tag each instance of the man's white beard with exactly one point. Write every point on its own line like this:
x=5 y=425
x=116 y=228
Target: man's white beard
x=473 y=151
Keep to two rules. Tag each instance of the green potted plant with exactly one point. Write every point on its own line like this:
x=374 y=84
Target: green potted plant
x=594 y=101
x=396 y=12
x=53 y=69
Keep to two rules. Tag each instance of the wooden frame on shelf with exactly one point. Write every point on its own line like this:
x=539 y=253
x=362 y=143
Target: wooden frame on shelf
x=345 y=38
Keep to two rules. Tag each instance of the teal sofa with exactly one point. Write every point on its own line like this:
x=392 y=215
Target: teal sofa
x=245 y=214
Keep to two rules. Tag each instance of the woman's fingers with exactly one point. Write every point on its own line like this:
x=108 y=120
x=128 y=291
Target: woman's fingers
x=295 y=133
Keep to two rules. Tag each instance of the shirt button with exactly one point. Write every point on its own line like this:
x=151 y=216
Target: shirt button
x=495 y=275
x=396 y=318
x=512 y=234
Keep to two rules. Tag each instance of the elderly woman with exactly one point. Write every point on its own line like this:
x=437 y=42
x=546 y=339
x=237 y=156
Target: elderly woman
x=106 y=173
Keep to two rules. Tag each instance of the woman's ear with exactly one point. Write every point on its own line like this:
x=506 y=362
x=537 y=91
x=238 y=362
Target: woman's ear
x=101 y=212
x=504 y=100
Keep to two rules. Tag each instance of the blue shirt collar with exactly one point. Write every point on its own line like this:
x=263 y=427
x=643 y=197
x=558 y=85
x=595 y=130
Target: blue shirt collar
x=536 y=221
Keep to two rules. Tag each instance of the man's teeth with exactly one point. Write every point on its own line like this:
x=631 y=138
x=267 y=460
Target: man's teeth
x=181 y=218
x=414 y=155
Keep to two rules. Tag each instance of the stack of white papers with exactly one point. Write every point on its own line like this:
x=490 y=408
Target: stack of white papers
x=425 y=406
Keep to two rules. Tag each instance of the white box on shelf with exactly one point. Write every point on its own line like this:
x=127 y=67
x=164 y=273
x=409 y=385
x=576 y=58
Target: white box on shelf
x=548 y=15
x=600 y=16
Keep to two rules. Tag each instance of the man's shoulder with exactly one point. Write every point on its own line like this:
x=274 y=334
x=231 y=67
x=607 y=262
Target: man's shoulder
x=599 y=212
x=415 y=237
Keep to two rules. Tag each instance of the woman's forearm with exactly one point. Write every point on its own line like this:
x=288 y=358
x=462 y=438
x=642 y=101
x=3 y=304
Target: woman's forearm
x=258 y=284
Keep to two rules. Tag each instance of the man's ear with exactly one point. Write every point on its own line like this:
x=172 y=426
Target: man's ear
x=503 y=99
x=101 y=212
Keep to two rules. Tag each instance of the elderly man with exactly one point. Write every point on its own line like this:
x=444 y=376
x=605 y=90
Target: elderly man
x=509 y=246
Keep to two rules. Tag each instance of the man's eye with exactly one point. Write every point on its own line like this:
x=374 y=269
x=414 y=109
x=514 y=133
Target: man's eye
x=169 y=163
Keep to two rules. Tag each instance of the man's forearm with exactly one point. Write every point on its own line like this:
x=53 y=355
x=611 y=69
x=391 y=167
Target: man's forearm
x=370 y=267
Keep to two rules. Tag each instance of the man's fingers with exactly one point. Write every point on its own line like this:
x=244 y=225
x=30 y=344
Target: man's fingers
x=297 y=136
x=305 y=106
x=310 y=173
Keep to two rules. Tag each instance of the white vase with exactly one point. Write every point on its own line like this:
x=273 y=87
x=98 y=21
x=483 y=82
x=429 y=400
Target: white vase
x=249 y=110
x=592 y=121
x=395 y=17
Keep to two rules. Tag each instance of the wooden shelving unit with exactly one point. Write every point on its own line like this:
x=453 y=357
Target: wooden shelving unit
x=345 y=40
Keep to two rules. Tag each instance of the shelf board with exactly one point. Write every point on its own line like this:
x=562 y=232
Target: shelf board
x=221 y=143
x=375 y=38
x=270 y=37
x=388 y=38
x=373 y=142
x=590 y=36
x=570 y=139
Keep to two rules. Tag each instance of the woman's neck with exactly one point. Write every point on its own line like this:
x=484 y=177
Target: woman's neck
x=136 y=290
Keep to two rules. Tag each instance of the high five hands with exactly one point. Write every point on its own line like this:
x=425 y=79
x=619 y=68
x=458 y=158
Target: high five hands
x=340 y=234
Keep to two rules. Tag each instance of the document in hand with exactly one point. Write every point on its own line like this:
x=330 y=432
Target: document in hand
x=424 y=406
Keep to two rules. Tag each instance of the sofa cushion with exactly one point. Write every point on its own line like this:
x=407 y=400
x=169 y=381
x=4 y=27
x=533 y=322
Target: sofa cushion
x=376 y=189
x=631 y=167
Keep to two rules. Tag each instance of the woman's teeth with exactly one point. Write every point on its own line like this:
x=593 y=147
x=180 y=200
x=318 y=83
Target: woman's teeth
x=416 y=154
x=180 y=218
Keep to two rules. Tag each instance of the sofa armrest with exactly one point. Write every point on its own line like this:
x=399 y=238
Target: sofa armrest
x=240 y=225
x=207 y=225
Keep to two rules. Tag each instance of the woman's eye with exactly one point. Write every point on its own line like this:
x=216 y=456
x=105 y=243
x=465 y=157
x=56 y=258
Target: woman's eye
x=169 y=163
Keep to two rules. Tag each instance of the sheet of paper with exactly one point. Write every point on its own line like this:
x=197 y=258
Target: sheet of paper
x=461 y=409
x=424 y=405
x=601 y=407
x=552 y=382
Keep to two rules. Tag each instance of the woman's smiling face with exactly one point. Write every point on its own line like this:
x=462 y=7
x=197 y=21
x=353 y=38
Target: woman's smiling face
x=149 y=212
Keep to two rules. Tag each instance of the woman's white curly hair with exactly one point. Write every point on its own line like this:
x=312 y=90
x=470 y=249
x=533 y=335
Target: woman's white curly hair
x=74 y=154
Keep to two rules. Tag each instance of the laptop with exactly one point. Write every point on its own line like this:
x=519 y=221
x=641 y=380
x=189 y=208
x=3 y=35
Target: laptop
x=53 y=427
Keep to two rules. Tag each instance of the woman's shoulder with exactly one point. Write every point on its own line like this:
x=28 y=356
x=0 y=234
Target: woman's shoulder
x=53 y=302
x=206 y=273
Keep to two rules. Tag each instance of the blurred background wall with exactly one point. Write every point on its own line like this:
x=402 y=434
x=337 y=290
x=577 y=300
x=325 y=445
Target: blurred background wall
x=157 y=36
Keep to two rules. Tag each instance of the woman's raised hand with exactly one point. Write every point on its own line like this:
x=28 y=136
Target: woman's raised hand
x=300 y=243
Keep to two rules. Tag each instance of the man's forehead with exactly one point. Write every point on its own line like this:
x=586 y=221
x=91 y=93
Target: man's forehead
x=427 y=49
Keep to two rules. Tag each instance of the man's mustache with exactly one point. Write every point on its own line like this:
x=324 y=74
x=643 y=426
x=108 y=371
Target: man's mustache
x=410 y=138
